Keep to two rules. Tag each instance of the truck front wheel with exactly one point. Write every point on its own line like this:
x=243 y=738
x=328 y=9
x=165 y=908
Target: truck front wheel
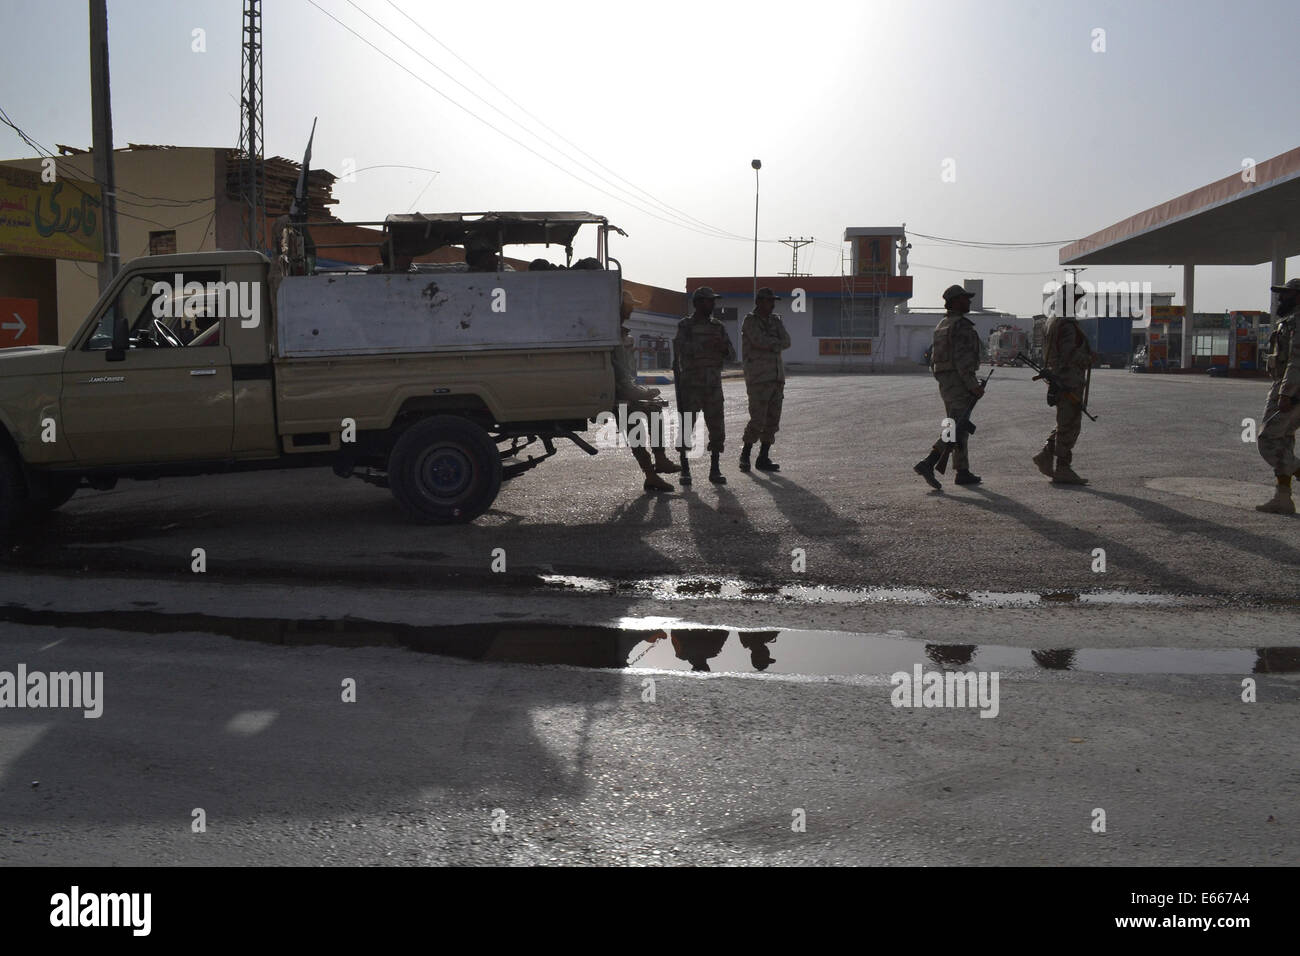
x=445 y=470
x=14 y=503
x=52 y=491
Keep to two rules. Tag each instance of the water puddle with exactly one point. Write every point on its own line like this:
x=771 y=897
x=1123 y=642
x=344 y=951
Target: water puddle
x=670 y=588
x=667 y=644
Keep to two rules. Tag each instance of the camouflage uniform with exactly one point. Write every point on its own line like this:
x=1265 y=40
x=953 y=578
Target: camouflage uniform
x=638 y=399
x=956 y=359
x=1068 y=356
x=1277 y=437
x=762 y=341
x=699 y=351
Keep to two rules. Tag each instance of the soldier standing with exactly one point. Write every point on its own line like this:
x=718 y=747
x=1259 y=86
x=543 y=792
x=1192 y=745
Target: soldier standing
x=956 y=358
x=700 y=348
x=641 y=399
x=1282 y=411
x=763 y=338
x=1068 y=357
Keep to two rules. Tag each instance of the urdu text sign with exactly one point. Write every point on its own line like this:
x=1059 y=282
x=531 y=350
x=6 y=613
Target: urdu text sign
x=58 y=220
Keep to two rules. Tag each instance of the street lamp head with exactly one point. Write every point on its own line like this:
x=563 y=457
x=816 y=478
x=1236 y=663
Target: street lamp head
x=757 y=164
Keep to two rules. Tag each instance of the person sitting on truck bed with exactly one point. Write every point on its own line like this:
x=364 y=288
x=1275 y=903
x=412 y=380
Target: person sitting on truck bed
x=403 y=262
x=483 y=255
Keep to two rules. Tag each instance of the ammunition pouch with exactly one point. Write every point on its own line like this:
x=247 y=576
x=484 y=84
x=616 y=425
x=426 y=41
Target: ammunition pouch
x=1053 y=396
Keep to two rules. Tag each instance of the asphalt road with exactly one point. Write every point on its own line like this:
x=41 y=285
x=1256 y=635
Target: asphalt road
x=223 y=691
x=1171 y=503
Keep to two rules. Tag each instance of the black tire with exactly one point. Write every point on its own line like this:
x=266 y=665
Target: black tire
x=52 y=491
x=445 y=470
x=14 y=502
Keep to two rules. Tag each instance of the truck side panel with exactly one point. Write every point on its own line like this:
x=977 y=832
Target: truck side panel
x=446 y=312
x=315 y=395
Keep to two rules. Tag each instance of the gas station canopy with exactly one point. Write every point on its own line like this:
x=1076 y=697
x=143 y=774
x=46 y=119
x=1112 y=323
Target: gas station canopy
x=1245 y=219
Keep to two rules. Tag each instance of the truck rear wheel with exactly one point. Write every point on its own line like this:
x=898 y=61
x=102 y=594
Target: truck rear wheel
x=445 y=470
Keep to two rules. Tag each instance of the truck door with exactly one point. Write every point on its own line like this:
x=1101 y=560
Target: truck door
x=170 y=396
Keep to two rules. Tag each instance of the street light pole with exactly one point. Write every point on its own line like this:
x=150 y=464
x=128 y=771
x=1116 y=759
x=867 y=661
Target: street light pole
x=757 y=164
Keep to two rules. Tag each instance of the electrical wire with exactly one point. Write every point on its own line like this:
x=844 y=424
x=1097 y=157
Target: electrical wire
x=991 y=245
x=555 y=132
x=517 y=142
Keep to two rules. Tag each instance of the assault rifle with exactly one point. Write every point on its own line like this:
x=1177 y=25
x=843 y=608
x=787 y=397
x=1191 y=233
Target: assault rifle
x=681 y=420
x=964 y=427
x=1054 y=386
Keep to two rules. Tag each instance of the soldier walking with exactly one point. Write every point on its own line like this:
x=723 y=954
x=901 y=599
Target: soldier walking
x=1282 y=411
x=763 y=338
x=956 y=359
x=1068 y=357
x=700 y=348
x=639 y=398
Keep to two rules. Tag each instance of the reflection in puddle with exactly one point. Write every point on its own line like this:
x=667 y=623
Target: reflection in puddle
x=664 y=644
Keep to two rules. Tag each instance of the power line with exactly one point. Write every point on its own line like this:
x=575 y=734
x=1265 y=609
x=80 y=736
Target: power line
x=996 y=245
x=983 y=272
x=552 y=130
x=45 y=153
x=516 y=141
x=483 y=100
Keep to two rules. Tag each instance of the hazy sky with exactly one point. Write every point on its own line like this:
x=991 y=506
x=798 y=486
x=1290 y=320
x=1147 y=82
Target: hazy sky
x=853 y=108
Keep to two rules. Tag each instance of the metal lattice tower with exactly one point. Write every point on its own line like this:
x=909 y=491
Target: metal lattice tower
x=252 y=173
x=795 y=245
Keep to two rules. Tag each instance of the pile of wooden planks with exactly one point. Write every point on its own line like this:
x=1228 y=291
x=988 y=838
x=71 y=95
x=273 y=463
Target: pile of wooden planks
x=281 y=180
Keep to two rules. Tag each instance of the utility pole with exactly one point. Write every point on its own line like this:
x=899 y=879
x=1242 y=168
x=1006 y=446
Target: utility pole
x=252 y=175
x=101 y=124
x=757 y=164
x=795 y=245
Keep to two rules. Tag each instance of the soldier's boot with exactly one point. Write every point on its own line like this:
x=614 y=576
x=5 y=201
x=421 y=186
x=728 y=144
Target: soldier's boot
x=1065 y=475
x=965 y=477
x=1043 y=461
x=744 y=457
x=686 y=470
x=652 y=481
x=925 y=468
x=1281 y=502
x=764 y=463
x=715 y=473
x=663 y=464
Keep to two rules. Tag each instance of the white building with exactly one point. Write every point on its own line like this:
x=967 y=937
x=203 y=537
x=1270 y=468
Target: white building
x=914 y=329
x=839 y=322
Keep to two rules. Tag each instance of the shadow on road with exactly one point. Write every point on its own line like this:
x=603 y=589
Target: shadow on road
x=810 y=514
x=1063 y=535
x=1234 y=537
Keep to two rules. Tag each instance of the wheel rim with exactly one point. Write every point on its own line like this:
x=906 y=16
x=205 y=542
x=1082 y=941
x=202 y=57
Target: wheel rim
x=446 y=472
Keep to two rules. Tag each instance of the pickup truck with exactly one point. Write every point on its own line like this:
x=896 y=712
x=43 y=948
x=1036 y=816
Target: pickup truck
x=432 y=381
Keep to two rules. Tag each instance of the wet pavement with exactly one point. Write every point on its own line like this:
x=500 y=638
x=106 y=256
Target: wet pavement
x=549 y=661
x=233 y=698
x=662 y=644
